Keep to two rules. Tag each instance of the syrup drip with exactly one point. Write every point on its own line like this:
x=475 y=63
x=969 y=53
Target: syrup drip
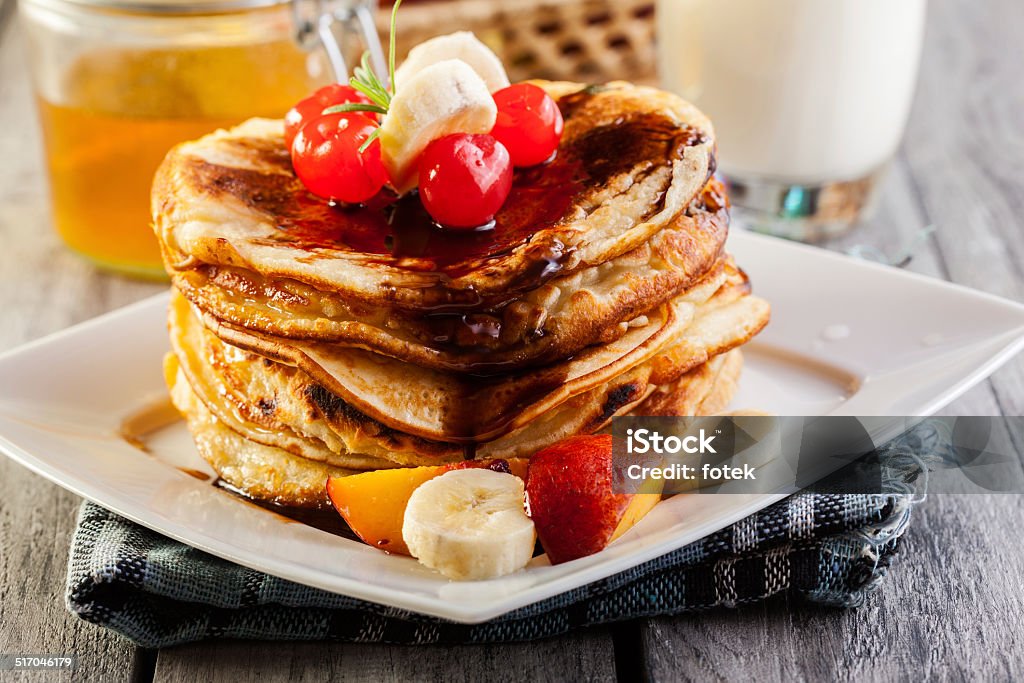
x=323 y=519
x=399 y=232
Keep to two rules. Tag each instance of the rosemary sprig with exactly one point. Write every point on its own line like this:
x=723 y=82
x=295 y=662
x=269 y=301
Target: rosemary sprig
x=355 y=106
x=367 y=82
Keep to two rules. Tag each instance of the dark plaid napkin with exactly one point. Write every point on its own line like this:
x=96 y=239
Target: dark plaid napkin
x=827 y=548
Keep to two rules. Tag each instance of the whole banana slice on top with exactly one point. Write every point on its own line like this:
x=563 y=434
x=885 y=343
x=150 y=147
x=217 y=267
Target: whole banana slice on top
x=470 y=524
x=459 y=45
x=443 y=98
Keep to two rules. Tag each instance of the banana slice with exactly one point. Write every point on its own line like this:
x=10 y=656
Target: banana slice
x=443 y=98
x=459 y=45
x=470 y=524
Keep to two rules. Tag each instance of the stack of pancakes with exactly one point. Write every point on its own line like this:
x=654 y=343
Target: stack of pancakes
x=312 y=340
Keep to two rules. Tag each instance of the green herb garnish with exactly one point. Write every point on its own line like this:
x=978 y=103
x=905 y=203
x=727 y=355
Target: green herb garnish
x=366 y=81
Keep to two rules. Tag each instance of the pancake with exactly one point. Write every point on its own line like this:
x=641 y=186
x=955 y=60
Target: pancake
x=277 y=476
x=630 y=160
x=444 y=406
x=263 y=472
x=703 y=390
x=266 y=399
x=553 y=321
x=622 y=219
x=440 y=405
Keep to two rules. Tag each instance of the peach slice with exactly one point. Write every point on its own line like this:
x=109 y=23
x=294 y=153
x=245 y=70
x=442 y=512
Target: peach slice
x=373 y=503
x=571 y=501
x=639 y=505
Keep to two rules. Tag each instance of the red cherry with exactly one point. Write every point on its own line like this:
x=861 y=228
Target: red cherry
x=327 y=159
x=313 y=107
x=529 y=123
x=464 y=179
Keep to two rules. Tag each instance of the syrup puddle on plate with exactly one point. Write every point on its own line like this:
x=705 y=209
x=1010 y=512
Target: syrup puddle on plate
x=783 y=382
x=151 y=417
x=157 y=430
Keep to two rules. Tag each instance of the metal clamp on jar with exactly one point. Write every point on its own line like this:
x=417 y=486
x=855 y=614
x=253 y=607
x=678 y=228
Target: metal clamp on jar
x=119 y=82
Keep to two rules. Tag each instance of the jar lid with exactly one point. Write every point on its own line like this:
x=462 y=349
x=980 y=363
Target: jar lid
x=169 y=7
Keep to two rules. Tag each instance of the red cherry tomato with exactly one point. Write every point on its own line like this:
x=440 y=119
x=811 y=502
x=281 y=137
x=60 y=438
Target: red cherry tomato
x=313 y=106
x=529 y=123
x=327 y=159
x=464 y=179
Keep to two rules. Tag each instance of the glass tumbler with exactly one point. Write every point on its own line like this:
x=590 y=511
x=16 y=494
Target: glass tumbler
x=809 y=99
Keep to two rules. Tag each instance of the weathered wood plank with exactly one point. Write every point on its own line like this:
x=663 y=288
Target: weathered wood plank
x=586 y=656
x=36 y=522
x=965 y=150
x=42 y=289
x=949 y=608
x=949 y=611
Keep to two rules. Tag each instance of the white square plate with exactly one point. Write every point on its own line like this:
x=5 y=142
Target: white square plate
x=847 y=337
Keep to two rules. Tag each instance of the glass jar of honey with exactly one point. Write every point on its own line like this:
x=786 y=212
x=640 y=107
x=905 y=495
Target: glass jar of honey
x=119 y=82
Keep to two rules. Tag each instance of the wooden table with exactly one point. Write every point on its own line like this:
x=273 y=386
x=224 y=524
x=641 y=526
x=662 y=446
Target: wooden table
x=951 y=605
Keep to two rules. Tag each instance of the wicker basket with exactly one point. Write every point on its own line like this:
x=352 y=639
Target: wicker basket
x=578 y=40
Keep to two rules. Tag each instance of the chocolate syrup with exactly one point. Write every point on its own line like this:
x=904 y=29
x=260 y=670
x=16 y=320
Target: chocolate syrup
x=323 y=519
x=195 y=474
x=139 y=426
x=399 y=232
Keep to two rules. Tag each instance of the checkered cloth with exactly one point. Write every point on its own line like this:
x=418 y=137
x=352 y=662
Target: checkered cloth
x=823 y=547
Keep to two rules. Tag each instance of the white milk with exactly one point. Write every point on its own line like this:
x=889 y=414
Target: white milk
x=802 y=91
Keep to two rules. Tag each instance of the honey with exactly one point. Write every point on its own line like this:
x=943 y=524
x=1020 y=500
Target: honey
x=123 y=108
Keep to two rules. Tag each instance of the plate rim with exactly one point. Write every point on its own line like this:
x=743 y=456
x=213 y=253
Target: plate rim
x=436 y=605
x=369 y=592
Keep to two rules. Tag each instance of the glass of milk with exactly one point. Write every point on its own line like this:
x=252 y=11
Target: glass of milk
x=809 y=99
